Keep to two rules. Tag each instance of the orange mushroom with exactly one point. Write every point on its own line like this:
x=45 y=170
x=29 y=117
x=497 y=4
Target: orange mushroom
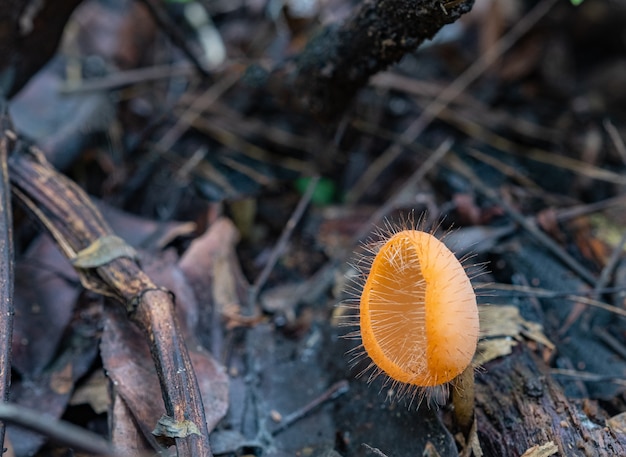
x=418 y=317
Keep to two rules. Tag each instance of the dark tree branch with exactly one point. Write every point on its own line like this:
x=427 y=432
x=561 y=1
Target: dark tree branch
x=335 y=64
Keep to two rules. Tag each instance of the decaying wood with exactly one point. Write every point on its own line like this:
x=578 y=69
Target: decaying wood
x=519 y=405
x=337 y=62
x=76 y=224
x=6 y=274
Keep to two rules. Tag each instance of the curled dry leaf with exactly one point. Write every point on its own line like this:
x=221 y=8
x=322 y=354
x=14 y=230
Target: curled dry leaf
x=542 y=450
x=617 y=423
x=501 y=328
x=211 y=267
x=93 y=392
x=124 y=431
x=206 y=262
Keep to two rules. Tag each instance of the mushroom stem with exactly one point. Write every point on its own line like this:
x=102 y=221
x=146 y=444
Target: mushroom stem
x=463 y=400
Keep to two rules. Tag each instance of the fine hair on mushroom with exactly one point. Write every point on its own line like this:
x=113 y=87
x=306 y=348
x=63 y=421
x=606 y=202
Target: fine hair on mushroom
x=413 y=309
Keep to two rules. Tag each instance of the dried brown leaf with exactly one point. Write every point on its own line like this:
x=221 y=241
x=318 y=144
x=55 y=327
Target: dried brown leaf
x=46 y=289
x=128 y=364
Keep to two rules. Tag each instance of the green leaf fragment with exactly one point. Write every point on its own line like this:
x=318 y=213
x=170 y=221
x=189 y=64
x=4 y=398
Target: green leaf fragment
x=168 y=427
x=103 y=251
x=324 y=192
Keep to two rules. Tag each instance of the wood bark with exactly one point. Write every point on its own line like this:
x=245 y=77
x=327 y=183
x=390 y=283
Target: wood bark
x=519 y=405
x=338 y=62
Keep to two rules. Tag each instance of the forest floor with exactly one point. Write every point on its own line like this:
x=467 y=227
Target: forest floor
x=253 y=212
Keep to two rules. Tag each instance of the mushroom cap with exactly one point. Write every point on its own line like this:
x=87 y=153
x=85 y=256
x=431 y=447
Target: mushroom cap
x=418 y=313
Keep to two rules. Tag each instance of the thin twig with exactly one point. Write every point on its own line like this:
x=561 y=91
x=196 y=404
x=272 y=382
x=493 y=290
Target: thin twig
x=528 y=224
x=457 y=87
x=478 y=131
x=611 y=264
x=334 y=391
x=234 y=141
x=62 y=432
x=467 y=103
x=173 y=31
x=610 y=341
x=523 y=290
x=587 y=377
x=374 y=450
x=121 y=79
x=415 y=178
x=566 y=214
x=195 y=110
x=6 y=272
x=617 y=140
x=281 y=244
x=325 y=272
x=545 y=293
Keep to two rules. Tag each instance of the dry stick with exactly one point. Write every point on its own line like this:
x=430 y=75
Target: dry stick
x=415 y=178
x=468 y=104
x=474 y=129
x=616 y=345
x=325 y=273
x=195 y=110
x=121 y=79
x=566 y=214
x=75 y=223
x=611 y=264
x=375 y=450
x=528 y=224
x=334 y=391
x=234 y=141
x=617 y=140
x=6 y=274
x=281 y=244
x=61 y=432
x=451 y=92
x=586 y=376
x=169 y=139
x=171 y=29
x=197 y=104
x=545 y=293
x=232 y=121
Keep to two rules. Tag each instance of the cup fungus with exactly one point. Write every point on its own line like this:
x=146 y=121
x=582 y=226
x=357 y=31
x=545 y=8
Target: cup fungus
x=418 y=317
